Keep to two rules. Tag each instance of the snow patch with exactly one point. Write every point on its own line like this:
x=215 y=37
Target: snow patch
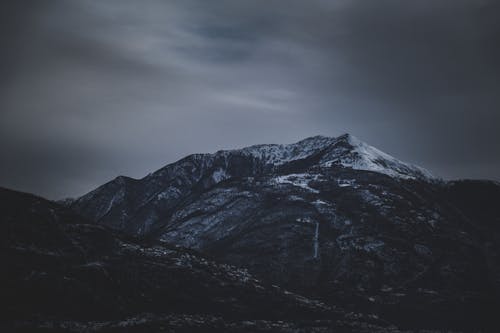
x=345 y=182
x=361 y=156
x=278 y=154
x=320 y=202
x=306 y=219
x=219 y=175
x=170 y=193
x=295 y=198
x=297 y=179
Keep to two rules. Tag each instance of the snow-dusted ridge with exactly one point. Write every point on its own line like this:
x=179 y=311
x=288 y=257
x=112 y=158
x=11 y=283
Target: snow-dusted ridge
x=345 y=150
x=279 y=154
x=365 y=157
x=178 y=179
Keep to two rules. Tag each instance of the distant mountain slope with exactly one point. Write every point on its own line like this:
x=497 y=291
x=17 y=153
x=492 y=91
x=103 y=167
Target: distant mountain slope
x=137 y=205
x=330 y=217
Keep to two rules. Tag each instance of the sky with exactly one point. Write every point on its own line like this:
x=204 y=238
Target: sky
x=93 y=89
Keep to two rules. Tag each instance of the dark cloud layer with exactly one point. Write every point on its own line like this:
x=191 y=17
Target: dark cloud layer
x=93 y=89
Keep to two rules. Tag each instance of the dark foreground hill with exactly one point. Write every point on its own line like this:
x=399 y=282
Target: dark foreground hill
x=61 y=274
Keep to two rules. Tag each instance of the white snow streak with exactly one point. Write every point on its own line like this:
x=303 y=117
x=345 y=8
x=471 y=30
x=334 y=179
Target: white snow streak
x=219 y=175
x=297 y=179
x=316 y=240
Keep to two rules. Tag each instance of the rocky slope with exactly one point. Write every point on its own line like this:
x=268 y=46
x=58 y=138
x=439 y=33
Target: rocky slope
x=61 y=274
x=138 y=206
x=333 y=218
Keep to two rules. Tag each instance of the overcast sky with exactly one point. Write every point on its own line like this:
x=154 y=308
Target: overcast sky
x=92 y=89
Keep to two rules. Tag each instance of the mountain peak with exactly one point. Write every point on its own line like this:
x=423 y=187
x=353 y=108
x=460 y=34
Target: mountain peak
x=344 y=137
x=345 y=151
x=353 y=153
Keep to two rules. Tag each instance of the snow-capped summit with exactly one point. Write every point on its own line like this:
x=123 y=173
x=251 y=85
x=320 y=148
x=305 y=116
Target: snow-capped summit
x=350 y=152
x=345 y=150
x=139 y=204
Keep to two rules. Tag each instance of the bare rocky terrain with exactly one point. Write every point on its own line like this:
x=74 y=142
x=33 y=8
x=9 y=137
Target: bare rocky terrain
x=327 y=234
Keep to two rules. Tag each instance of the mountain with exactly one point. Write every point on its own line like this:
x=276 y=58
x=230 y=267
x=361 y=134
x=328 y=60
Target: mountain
x=62 y=274
x=331 y=218
x=136 y=206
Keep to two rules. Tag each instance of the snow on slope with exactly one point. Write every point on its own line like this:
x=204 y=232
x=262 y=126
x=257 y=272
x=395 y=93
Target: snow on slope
x=278 y=154
x=346 y=151
x=361 y=156
x=175 y=180
x=297 y=179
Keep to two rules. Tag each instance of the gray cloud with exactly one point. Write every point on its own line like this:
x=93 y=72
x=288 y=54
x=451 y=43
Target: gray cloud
x=93 y=89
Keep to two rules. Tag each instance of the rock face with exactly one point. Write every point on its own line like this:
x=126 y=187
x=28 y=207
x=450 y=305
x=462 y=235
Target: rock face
x=333 y=218
x=203 y=244
x=61 y=274
x=142 y=206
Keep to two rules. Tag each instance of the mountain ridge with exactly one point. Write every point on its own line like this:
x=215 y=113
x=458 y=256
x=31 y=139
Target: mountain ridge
x=172 y=180
x=390 y=241
x=329 y=217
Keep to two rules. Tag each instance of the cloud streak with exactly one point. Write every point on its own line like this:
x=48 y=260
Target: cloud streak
x=90 y=90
